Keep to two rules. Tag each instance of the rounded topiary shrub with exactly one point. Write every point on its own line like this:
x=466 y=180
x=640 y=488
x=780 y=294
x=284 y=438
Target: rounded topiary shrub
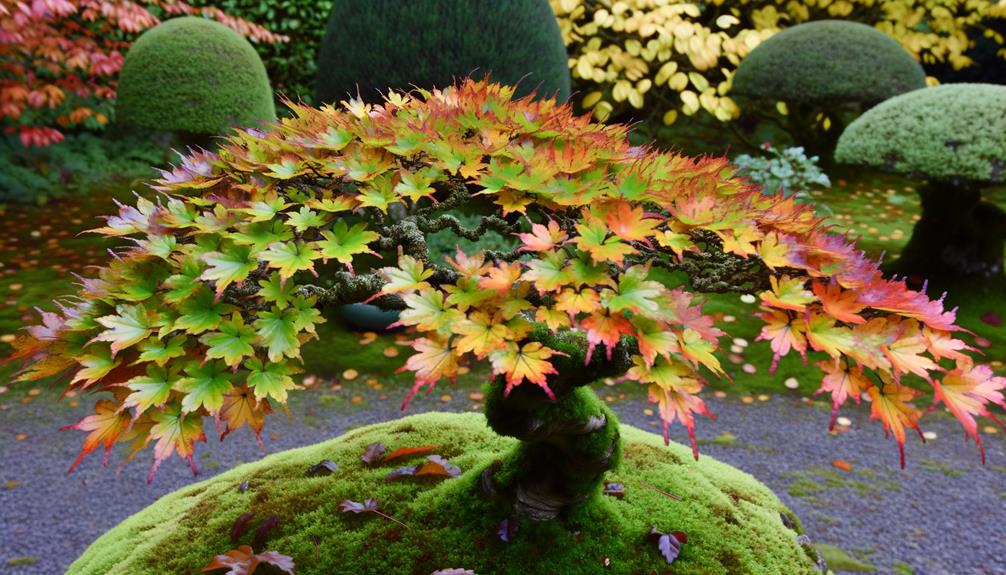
x=734 y=523
x=193 y=75
x=372 y=46
x=825 y=71
x=954 y=137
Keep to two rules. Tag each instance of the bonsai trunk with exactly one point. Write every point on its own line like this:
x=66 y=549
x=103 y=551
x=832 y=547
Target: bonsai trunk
x=958 y=236
x=566 y=444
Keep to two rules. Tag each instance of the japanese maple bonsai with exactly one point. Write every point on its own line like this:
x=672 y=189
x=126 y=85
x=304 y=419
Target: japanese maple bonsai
x=205 y=314
x=953 y=138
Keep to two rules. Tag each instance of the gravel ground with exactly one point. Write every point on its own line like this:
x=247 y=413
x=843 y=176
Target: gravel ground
x=944 y=514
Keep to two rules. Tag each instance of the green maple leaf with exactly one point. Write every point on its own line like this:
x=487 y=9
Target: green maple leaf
x=416 y=185
x=305 y=219
x=232 y=343
x=161 y=246
x=378 y=193
x=261 y=235
x=275 y=290
x=547 y=272
x=344 y=242
x=410 y=274
x=174 y=432
x=634 y=292
x=270 y=380
x=304 y=313
x=290 y=257
x=200 y=313
x=130 y=325
x=205 y=386
x=185 y=283
x=232 y=265
x=467 y=293
x=334 y=139
x=595 y=241
x=152 y=389
x=96 y=365
x=277 y=330
x=138 y=283
x=287 y=167
x=161 y=352
x=265 y=210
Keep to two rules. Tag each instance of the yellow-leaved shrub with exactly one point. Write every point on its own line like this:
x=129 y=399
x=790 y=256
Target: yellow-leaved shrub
x=669 y=57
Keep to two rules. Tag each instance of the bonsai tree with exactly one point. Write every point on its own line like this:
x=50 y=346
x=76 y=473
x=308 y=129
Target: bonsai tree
x=195 y=76
x=825 y=72
x=953 y=137
x=372 y=46
x=206 y=311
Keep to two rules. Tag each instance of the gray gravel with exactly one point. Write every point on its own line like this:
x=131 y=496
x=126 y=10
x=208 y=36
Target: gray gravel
x=943 y=514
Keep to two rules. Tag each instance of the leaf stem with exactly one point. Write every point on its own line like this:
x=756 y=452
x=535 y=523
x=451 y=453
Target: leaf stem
x=388 y=517
x=660 y=491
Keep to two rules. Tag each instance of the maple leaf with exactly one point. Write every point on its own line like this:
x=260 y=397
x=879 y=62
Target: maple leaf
x=634 y=292
x=890 y=406
x=841 y=305
x=277 y=330
x=784 y=333
x=502 y=276
x=843 y=380
x=480 y=334
x=628 y=222
x=547 y=272
x=604 y=328
x=677 y=402
x=699 y=350
x=150 y=390
x=205 y=386
x=232 y=343
x=241 y=407
x=275 y=290
x=175 y=432
x=653 y=339
x=416 y=185
x=542 y=238
x=966 y=391
x=787 y=293
x=941 y=345
x=161 y=352
x=410 y=275
x=468 y=265
x=305 y=218
x=368 y=506
x=466 y=293
x=434 y=359
x=270 y=379
x=105 y=427
x=593 y=239
x=403 y=452
x=555 y=319
x=244 y=561
x=200 y=313
x=290 y=257
x=676 y=242
x=343 y=242
x=903 y=352
x=434 y=465
x=529 y=362
x=95 y=366
x=428 y=311
x=130 y=325
x=824 y=335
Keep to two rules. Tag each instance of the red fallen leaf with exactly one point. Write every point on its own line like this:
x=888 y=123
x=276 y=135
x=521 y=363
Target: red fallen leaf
x=407 y=452
x=373 y=454
x=614 y=489
x=842 y=464
x=992 y=318
x=435 y=465
x=453 y=571
x=324 y=467
x=244 y=561
x=669 y=544
x=240 y=525
x=263 y=530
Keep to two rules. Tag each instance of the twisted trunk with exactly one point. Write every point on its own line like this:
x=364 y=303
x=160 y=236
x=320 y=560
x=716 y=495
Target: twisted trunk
x=958 y=236
x=566 y=444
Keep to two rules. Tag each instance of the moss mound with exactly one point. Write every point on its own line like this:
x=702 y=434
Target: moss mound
x=195 y=75
x=944 y=132
x=381 y=44
x=733 y=522
x=828 y=61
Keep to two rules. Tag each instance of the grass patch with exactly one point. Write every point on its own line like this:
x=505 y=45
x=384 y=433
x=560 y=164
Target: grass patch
x=838 y=560
x=22 y=561
x=902 y=568
x=816 y=482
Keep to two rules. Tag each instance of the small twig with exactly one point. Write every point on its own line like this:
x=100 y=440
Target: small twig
x=388 y=517
x=660 y=491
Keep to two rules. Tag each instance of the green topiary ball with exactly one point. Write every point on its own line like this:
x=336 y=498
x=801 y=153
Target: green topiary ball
x=828 y=61
x=944 y=132
x=195 y=75
x=375 y=45
x=734 y=523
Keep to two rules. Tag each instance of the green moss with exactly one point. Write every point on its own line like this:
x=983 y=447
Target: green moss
x=838 y=560
x=814 y=484
x=944 y=132
x=940 y=467
x=732 y=521
x=19 y=561
x=193 y=75
x=828 y=61
x=372 y=46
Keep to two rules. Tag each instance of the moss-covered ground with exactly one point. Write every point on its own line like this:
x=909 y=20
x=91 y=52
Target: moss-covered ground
x=734 y=524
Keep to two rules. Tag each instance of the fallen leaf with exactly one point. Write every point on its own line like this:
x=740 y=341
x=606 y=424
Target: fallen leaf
x=408 y=452
x=453 y=571
x=240 y=526
x=507 y=529
x=263 y=530
x=669 y=544
x=992 y=318
x=324 y=467
x=373 y=454
x=614 y=489
x=842 y=464
x=244 y=561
